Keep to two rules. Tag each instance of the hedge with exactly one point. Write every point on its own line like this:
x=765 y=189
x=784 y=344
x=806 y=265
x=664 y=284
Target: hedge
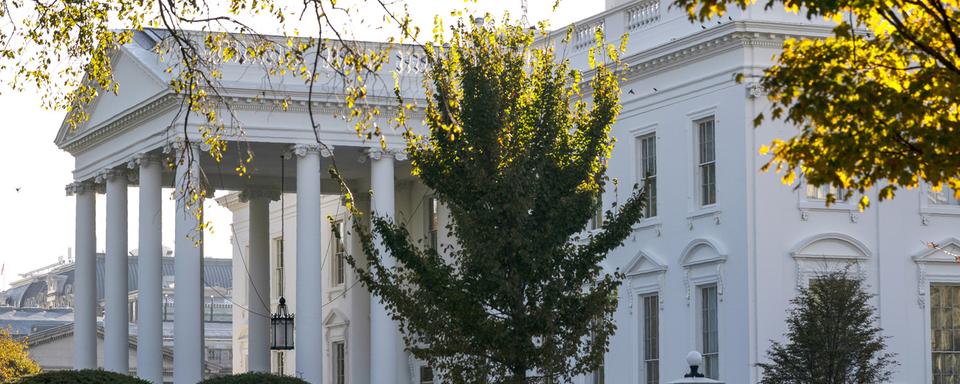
x=254 y=378
x=86 y=376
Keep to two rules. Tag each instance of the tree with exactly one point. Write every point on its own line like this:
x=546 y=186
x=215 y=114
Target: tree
x=518 y=156
x=832 y=337
x=15 y=362
x=877 y=103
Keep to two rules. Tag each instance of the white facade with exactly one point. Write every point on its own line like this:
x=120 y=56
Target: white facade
x=713 y=270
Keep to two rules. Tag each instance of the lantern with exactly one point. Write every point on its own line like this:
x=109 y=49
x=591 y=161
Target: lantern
x=281 y=328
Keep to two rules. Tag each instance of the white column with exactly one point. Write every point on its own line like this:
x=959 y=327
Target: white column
x=150 y=274
x=188 y=281
x=385 y=347
x=116 y=319
x=258 y=289
x=85 y=278
x=308 y=340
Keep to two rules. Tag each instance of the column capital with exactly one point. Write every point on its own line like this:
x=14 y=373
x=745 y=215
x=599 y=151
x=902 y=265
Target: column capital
x=79 y=187
x=110 y=173
x=377 y=153
x=259 y=193
x=145 y=158
x=301 y=150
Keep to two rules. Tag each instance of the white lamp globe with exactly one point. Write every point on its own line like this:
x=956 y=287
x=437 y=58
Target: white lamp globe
x=694 y=358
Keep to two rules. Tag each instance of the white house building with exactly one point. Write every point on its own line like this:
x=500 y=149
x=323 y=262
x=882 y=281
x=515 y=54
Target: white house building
x=712 y=268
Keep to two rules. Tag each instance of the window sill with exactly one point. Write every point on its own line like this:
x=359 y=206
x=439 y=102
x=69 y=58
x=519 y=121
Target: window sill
x=946 y=210
x=647 y=223
x=335 y=291
x=821 y=205
x=710 y=210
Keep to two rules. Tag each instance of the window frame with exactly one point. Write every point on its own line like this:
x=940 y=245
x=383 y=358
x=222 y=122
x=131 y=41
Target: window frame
x=338 y=361
x=699 y=164
x=278 y=269
x=928 y=208
x=644 y=328
x=643 y=174
x=338 y=272
x=426 y=368
x=703 y=332
x=431 y=227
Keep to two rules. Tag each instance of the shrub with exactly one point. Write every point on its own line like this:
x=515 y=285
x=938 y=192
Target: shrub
x=832 y=337
x=254 y=378
x=86 y=376
x=14 y=360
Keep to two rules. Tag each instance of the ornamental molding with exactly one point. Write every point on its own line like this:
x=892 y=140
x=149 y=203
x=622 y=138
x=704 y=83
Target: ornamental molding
x=733 y=35
x=756 y=90
x=301 y=150
x=326 y=150
x=80 y=187
x=146 y=159
x=922 y=285
x=109 y=173
x=83 y=138
x=259 y=193
x=377 y=153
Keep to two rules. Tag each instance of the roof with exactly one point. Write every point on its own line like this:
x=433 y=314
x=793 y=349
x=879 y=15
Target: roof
x=25 y=321
x=33 y=291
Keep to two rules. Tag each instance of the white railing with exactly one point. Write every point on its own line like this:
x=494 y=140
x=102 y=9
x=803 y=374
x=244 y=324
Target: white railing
x=645 y=13
x=585 y=35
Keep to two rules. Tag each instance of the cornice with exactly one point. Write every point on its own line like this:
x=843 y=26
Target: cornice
x=81 y=140
x=738 y=34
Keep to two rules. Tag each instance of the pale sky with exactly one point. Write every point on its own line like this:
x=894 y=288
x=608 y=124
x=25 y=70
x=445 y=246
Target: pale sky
x=37 y=222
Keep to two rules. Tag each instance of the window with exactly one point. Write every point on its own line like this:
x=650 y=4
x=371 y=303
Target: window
x=339 y=363
x=822 y=192
x=596 y=221
x=651 y=338
x=433 y=223
x=945 y=332
x=278 y=251
x=339 y=253
x=706 y=162
x=426 y=375
x=647 y=167
x=945 y=196
x=708 y=332
x=598 y=375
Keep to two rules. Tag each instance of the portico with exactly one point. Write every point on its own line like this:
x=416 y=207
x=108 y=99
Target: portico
x=137 y=140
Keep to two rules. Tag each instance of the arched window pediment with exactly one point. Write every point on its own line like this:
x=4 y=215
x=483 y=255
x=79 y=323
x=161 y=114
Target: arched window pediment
x=831 y=246
x=702 y=251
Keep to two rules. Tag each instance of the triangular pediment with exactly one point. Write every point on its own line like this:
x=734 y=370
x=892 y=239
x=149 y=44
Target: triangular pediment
x=140 y=80
x=945 y=251
x=644 y=263
x=335 y=318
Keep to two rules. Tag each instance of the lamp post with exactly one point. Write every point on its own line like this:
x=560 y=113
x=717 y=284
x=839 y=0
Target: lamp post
x=695 y=361
x=281 y=328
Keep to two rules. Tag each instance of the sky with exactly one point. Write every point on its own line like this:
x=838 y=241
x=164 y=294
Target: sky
x=37 y=217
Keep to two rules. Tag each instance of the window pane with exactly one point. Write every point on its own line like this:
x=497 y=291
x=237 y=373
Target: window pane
x=945 y=332
x=426 y=375
x=339 y=252
x=709 y=331
x=708 y=186
x=651 y=339
x=945 y=196
x=339 y=363
x=647 y=169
